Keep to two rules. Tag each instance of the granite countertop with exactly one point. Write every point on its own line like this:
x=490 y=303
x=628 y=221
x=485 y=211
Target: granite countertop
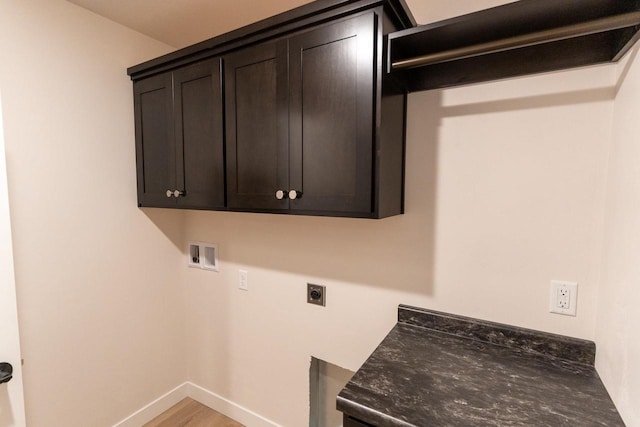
x=436 y=369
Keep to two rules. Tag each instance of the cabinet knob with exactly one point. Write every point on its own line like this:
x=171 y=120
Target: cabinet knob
x=178 y=193
x=169 y=193
x=294 y=194
x=279 y=194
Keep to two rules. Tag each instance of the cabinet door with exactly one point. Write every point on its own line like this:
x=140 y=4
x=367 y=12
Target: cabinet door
x=256 y=118
x=199 y=135
x=155 y=143
x=332 y=92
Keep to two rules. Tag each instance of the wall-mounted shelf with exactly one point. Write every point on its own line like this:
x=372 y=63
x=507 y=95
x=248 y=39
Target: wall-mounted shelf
x=524 y=37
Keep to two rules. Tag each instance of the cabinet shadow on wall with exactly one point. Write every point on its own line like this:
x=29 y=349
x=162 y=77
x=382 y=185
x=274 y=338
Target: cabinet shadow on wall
x=394 y=253
x=170 y=222
x=622 y=75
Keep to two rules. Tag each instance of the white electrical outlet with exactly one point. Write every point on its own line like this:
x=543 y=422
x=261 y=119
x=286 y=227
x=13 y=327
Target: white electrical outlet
x=244 y=280
x=563 y=297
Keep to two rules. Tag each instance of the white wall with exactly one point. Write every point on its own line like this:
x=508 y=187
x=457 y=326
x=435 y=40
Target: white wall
x=504 y=192
x=618 y=351
x=11 y=393
x=100 y=302
x=438 y=10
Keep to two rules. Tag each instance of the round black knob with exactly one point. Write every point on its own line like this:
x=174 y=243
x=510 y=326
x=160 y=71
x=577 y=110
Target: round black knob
x=195 y=259
x=315 y=294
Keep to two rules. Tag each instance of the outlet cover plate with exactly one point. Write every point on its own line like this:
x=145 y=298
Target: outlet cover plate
x=203 y=255
x=563 y=297
x=316 y=294
x=243 y=280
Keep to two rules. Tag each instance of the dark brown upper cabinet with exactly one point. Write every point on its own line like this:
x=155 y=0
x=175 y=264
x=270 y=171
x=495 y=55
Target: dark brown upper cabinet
x=312 y=124
x=179 y=137
x=300 y=122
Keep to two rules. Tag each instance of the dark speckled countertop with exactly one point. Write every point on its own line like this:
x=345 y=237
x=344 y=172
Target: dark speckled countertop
x=436 y=369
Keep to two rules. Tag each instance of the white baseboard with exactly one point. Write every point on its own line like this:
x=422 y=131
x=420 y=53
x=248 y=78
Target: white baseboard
x=155 y=408
x=208 y=398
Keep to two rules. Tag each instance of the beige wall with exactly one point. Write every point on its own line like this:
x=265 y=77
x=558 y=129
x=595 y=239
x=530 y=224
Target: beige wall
x=618 y=355
x=97 y=282
x=438 y=10
x=504 y=192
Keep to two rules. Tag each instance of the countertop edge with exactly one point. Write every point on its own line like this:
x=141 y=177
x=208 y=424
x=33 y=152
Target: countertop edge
x=570 y=349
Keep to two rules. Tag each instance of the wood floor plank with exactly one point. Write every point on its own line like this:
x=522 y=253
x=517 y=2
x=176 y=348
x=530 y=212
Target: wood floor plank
x=189 y=413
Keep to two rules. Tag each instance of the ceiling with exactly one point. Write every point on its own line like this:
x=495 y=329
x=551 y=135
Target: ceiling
x=180 y=23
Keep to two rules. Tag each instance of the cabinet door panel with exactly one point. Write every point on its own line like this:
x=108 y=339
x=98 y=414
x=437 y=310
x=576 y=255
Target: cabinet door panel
x=199 y=135
x=331 y=120
x=155 y=144
x=256 y=107
x=257 y=142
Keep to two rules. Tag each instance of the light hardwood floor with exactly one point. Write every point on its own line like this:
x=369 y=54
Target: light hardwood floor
x=189 y=413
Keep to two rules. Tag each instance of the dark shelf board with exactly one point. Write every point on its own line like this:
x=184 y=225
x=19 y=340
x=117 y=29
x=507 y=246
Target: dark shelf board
x=510 y=20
